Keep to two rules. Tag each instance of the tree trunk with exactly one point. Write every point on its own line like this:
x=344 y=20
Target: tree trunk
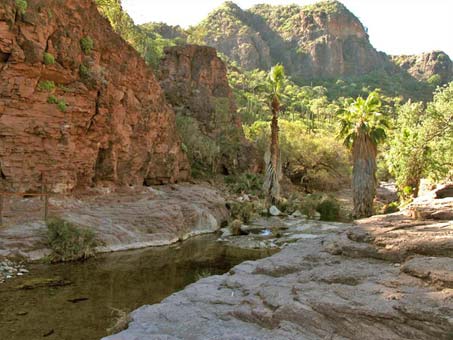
x=272 y=185
x=364 y=152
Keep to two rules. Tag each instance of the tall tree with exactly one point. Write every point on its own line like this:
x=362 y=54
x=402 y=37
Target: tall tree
x=276 y=79
x=362 y=128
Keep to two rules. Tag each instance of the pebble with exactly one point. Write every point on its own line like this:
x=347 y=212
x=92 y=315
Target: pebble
x=9 y=270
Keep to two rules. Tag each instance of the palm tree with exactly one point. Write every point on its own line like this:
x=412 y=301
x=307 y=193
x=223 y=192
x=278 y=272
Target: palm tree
x=276 y=79
x=362 y=128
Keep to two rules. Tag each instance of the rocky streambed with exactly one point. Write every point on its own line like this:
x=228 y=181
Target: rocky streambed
x=387 y=277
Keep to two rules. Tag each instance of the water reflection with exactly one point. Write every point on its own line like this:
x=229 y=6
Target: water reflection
x=124 y=281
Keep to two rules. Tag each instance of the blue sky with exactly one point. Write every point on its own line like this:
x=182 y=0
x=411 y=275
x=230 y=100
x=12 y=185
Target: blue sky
x=394 y=26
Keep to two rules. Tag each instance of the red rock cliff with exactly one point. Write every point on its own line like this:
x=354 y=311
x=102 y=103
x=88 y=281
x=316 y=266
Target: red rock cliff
x=195 y=82
x=78 y=104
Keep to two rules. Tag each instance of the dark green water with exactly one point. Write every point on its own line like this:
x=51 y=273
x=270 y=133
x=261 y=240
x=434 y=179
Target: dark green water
x=123 y=281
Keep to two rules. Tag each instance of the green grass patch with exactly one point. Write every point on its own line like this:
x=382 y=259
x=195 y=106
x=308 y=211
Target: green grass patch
x=22 y=6
x=48 y=59
x=46 y=85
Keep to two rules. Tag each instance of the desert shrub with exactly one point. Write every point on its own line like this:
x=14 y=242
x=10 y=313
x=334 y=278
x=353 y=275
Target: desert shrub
x=22 y=6
x=69 y=242
x=235 y=227
x=329 y=209
x=48 y=59
x=290 y=205
x=310 y=204
x=245 y=183
x=87 y=45
x=46 y=85
x=242 y=211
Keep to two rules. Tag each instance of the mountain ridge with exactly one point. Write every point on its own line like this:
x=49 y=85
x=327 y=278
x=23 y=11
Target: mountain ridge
x=319 y=42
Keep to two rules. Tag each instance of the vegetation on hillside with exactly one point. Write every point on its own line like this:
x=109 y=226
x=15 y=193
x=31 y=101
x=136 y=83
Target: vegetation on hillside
x=146 y=41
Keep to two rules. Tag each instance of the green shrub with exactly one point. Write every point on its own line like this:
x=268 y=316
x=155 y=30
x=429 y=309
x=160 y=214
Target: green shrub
x=62 y=106
x=69 y=242
x=435 y=79
x=329 y=209
x=52 y=100
x=22 y=6
x=48 y=59
x=61 y=103
x=391 y=208
x=310 y=204
x=46 y=85
x=84 y=72
x=87 y=45
x=242 y=211
x=245 y=183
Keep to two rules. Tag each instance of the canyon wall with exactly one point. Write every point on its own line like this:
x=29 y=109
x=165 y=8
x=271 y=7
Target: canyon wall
x=78 y=106
x=195 y=82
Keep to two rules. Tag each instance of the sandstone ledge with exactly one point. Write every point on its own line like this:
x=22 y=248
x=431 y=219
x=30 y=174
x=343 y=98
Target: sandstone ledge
x=125 y=219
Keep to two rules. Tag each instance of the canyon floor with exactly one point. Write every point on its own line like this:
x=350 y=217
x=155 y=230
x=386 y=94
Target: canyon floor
x=386 y=277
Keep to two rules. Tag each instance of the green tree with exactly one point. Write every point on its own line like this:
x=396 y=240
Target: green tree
x=422 y=144
x=362 y=128
x=276 y=79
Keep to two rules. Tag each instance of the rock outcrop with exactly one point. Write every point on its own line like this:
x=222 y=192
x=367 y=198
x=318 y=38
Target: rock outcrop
x=435 y=205
x=125 y=219
x=78 y=105
x=387 y=277
x=195 y=83
x=425 y=66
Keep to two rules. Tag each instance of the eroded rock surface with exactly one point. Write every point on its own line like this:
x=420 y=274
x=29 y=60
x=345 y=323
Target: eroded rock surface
x=126 y=219
x=387 y=277
x=78 y=105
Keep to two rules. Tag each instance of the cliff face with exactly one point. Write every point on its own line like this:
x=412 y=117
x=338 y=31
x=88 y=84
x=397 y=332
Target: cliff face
x=425 y=66
x=77 y=104
x=324 y=40
x=195 y=82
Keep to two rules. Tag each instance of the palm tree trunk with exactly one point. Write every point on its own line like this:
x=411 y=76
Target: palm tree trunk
x=364 y=175
x=272 y=185
x=274 y=134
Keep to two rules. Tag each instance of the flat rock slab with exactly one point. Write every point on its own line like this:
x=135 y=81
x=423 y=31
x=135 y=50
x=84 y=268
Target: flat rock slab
x=372 y=280
x=123 y=220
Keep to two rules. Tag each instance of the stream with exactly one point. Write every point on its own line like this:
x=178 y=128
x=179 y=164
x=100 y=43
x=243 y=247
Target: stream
x=85 y=297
